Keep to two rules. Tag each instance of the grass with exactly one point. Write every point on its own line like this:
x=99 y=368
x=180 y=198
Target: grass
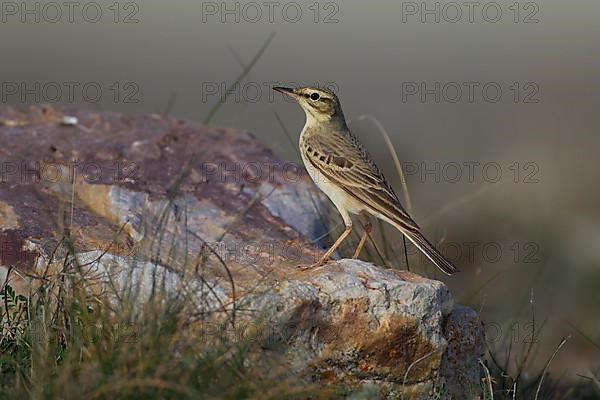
x=61 y=341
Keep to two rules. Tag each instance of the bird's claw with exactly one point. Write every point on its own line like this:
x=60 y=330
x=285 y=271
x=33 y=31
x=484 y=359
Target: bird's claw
x=313 y=266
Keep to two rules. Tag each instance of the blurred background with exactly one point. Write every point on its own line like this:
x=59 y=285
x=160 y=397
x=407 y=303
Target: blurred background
x=491 y=106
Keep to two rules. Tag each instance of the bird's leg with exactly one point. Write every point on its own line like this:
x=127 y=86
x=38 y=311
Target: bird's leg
x=329 y=252
x=363 y=239
x=337 y=243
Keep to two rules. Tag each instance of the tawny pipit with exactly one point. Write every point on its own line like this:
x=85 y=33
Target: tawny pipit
x=342 y=168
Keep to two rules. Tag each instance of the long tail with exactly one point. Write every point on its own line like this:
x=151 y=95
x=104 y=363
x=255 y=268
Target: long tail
x=430 y=251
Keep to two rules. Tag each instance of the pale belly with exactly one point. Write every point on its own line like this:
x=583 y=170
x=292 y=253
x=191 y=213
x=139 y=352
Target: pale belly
x=342 y=200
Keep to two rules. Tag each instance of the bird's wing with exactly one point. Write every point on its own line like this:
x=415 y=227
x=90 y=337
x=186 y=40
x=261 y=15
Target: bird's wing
x=341 y=158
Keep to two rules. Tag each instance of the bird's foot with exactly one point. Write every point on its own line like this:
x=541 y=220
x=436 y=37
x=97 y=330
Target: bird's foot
x=305 y=267
x=312 y=266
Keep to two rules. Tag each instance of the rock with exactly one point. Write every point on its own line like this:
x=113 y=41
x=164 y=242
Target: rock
x=351 y=321
x=147 y=199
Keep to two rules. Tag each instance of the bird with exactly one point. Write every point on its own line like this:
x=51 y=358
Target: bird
x=343 y=169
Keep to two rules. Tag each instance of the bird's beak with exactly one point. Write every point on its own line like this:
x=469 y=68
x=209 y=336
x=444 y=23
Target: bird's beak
x=284 y=90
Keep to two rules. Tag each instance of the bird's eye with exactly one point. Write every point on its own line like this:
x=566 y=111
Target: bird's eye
x=315 y=96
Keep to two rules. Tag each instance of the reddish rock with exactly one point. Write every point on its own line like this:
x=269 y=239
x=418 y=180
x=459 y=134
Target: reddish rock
x=143 y=197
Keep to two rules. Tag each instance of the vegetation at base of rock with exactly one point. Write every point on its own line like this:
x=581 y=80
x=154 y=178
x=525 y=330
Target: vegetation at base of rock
x=62 y=342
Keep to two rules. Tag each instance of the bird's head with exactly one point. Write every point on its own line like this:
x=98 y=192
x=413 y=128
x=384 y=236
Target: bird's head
x=319 y=104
